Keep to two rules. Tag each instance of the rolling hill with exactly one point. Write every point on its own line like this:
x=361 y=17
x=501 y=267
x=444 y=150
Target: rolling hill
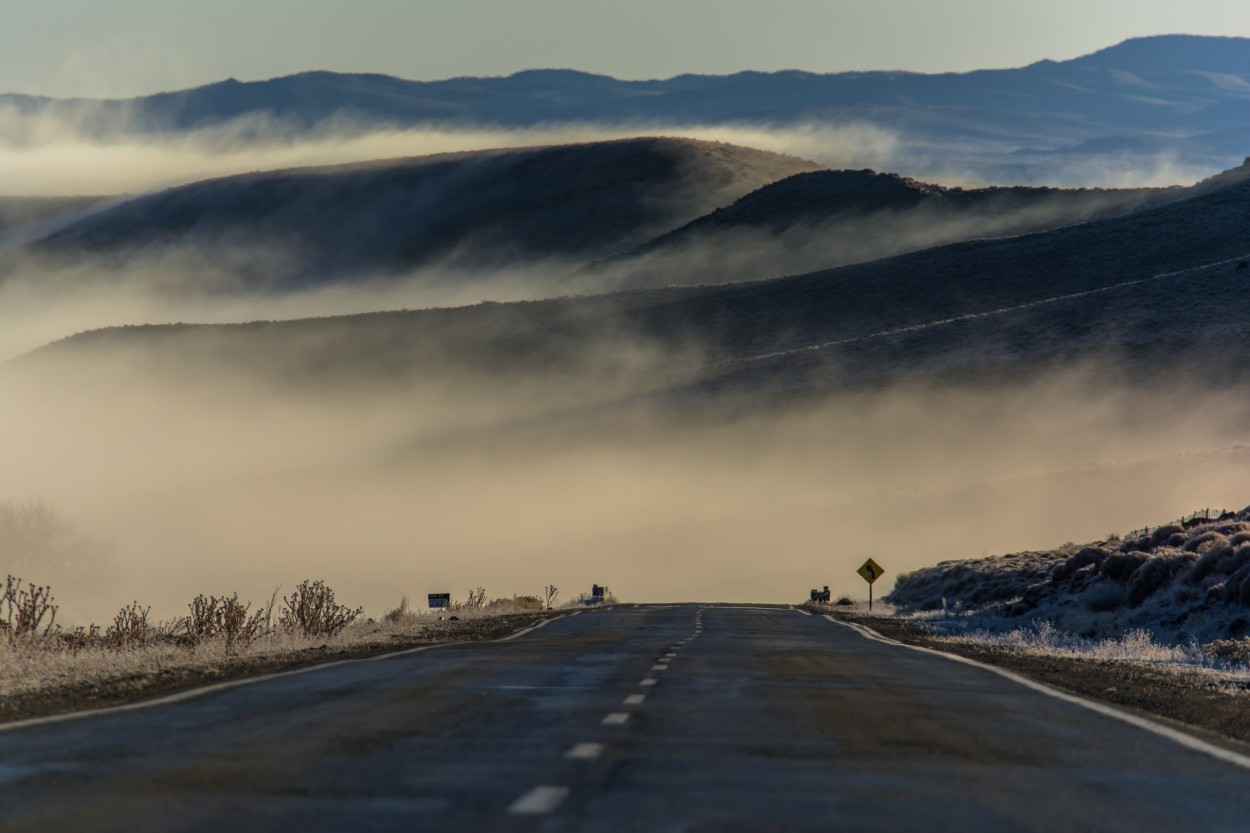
x=1149 y=291
x=453 y=212
x=822 y=219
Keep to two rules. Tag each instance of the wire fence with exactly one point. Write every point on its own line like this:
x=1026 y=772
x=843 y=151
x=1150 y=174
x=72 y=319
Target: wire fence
x=1200 y=517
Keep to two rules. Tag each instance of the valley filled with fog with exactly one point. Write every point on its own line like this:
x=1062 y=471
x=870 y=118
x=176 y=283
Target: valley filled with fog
x=710 y=357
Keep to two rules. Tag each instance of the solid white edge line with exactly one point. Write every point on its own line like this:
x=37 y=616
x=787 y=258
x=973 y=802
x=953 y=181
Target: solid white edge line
x=538 y=801
x=1175 y=735
x=193 y=693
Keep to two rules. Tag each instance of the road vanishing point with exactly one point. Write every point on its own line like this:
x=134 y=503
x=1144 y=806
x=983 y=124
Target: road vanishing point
x=658 y=718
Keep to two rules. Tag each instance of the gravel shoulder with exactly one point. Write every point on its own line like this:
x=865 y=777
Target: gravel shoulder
x=1202 y=702
x=136 y=687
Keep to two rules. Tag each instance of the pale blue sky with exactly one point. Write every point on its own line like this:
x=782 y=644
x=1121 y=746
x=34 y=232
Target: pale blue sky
x=130 y=47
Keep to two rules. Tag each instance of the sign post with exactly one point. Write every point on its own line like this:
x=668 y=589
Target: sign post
x=870 y=572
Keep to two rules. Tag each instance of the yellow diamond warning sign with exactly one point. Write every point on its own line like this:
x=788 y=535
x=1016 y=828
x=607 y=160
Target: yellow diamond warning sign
x=871 y=571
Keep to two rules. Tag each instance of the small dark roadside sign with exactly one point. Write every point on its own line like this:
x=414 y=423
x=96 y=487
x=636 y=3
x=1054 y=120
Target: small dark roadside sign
x=870 y=572
x=440 y=600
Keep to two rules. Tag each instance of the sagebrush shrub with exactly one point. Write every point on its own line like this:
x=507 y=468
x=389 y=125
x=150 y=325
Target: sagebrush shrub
x=1120 y=566
x=400 y=613
x=1237 y=587
x=24 y=609
x=201 y=623
x=1207 y=564
x=1083 y=558
x=1197 y=543
x=312 y=611
x=1157 y=573
x=130 y=627
x=225 y=617
x=1104 y=597
x=1165 y=533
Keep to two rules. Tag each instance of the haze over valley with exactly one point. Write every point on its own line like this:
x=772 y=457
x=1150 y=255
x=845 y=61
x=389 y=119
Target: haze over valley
x=702 y=338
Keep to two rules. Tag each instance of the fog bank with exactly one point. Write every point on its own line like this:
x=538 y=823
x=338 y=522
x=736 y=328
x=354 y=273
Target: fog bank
x=220 y=481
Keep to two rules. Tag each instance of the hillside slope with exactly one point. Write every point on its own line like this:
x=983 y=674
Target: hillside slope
x=1181 y=581
x=466 y=211
x=1154 y=289
x=823 y=219
x=28 y=218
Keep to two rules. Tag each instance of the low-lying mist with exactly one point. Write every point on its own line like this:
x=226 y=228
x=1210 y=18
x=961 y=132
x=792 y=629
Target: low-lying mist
x=46 y=156
x=202 y=478
x=741 y=253
x=63 y=162
x=41 y=302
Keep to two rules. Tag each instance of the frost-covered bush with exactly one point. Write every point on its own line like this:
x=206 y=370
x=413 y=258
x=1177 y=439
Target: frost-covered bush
x=1237 y=587
x=1181 y=581
x=1204 y=542
x=1119 y=567
x=1085 y=557
x=1105 y=597
x=312 y=611
x=1155 y=574
x=1164 y=534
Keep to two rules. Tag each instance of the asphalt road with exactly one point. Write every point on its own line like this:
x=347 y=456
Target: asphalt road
x=683 y=718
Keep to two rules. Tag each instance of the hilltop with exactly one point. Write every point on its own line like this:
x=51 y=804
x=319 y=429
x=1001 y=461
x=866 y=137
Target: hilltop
x=1153 y=289
x=454 y=212
x=822 y=219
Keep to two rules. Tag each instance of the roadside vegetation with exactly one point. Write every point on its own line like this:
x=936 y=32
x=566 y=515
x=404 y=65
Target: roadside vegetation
x=45 y=667
x=1175 y=598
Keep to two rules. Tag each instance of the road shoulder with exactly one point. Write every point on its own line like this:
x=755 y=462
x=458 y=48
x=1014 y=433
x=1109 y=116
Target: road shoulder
x=1194 y=699
x=119 y=691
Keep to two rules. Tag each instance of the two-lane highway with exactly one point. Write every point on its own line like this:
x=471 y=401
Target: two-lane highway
x=681 y=718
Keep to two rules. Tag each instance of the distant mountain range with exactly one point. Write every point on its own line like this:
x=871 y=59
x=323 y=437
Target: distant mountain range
x=1185 y=98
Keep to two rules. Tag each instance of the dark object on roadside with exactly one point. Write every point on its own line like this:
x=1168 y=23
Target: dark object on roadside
x=821 y=597
x=599 y=594
x=1243 y=266
x=453 y=618
x=845 y=601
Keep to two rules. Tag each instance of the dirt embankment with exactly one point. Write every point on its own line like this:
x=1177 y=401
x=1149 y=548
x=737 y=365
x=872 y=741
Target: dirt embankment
x=1217 y=708
x=120 y=690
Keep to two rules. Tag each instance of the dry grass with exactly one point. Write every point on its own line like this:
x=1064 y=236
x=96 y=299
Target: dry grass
x=219 y=636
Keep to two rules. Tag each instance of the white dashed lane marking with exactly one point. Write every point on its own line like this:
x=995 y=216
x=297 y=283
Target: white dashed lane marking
x=585 y=751
x=615 y=718
x=538 y=801
x=659 y=667
x=635 y=699
x=649 y=681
